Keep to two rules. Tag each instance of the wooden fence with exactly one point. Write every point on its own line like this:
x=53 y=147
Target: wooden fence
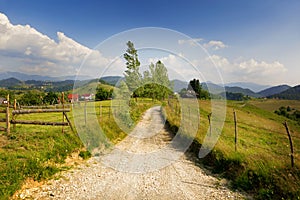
x=38 y=109
x=291 y=147
x=6 y=119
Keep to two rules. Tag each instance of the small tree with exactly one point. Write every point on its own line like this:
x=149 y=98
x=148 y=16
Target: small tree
x=133 y=78
x=103 y=94
x=157 y=81
x=50 y=98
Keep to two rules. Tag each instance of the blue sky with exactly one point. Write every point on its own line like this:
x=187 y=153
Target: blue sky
x=250 y=41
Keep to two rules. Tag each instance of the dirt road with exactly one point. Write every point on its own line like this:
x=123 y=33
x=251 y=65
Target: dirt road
x=128 y=172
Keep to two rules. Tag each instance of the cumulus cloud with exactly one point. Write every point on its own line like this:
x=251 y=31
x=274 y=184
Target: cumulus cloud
x=215 y=45
x=34 y=52
x=219 y=61
x=191 y=42
x=249 y=70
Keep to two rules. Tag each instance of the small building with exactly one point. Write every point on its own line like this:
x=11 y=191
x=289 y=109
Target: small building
x=73 y=98
x=87 y=97
x=3 y=101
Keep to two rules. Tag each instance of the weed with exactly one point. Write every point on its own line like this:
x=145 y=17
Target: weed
x=85 y=154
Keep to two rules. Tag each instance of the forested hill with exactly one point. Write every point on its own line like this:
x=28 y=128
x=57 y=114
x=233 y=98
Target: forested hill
x=274 y=90
x=292 y=94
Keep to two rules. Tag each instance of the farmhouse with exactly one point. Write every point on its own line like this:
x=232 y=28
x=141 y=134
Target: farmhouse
x=87 y=97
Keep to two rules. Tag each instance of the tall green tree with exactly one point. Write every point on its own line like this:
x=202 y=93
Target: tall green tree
x=161 y=78
x=157 y=81
x=50 y=98
x=133 y=78
x=154 y=83
x=32 y=98
x=197 y=88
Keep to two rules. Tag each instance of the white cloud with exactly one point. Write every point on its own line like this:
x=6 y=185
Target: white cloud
x=215 y=45
x=23 y=48
x=191 y=42
x=249 y=70
x=219 y=61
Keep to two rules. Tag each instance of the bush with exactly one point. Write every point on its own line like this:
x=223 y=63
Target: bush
x=103 y=94
x=85 y=154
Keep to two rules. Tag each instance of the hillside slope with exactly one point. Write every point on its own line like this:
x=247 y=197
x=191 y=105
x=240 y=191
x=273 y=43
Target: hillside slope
x=274 y=90
x=291 y=94
x=246 y=92
x=10 y=82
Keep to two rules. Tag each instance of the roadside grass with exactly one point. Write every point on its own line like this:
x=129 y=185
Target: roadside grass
x=38 y=152
x=100 y=129
x=33 y=152
x=261 y=164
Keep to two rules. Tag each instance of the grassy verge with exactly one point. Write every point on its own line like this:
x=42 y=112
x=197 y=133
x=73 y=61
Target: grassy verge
x=261 y=164
x=38 y=152
x=33 y=152
x=104 y=125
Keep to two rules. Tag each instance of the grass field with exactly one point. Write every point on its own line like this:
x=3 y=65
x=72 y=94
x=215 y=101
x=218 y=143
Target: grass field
x=262 y=163
x=38 y=152
x=273 y=104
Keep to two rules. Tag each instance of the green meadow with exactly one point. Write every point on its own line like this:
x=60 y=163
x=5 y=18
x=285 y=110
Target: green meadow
x=39 y=152
x=261 y=165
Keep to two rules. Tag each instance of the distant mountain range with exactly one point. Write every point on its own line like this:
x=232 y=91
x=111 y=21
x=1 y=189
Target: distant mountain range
x=26 y=77
x=280 y=92
x=291 y=93
x=17 y=80
x=246 y=92
x=247 y=85
x=10 y=82
x=56 y=86
x=112 y=80
x=178 y=85
x=274 y=90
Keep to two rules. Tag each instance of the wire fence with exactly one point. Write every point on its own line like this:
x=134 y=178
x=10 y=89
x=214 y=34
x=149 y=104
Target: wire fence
x=284 y=143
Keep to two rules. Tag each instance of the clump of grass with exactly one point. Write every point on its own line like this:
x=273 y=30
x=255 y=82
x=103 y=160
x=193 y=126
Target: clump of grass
x=85 y=154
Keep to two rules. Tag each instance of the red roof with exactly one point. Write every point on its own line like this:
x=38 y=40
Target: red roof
x=73 y=96
x=86 y=95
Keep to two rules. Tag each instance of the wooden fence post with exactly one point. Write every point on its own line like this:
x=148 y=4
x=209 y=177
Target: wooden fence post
x=291 y=142
x=209 y=122
x=13 y=116
x=100 y=111
x=85 y=112
x=7 y=116
x=63 y=106
x=235 y=130
x=109 y=112
x=65 y=114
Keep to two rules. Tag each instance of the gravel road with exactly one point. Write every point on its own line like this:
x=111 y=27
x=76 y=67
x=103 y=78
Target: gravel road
x=126 y=172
